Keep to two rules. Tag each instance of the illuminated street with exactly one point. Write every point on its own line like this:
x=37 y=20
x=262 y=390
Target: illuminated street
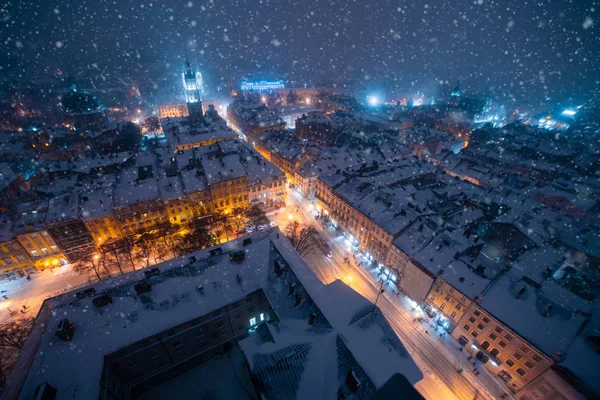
x=438 y=358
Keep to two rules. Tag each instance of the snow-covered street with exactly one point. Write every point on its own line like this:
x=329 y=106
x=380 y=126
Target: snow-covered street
x=438 y=357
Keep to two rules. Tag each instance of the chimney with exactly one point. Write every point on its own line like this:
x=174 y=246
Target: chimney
x=298 y=300
x=292 y=288
x=311 y=318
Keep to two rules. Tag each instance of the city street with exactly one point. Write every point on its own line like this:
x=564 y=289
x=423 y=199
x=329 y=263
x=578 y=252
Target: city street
x=438 y=357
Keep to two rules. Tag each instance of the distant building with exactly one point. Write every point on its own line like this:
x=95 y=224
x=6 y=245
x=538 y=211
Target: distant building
x=173 y=111
x=194 y=90
x=84 y=111
x=262 y=86
x=315 y=130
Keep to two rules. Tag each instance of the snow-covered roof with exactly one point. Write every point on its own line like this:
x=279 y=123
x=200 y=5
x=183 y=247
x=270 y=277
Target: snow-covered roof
x=223 y=168
x=541 y=309
x=97 y=203
x=74 y=368
x=63 y=208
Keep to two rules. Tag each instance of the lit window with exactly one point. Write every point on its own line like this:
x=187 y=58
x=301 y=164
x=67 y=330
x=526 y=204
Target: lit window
x=252 y=321
x=262 y=316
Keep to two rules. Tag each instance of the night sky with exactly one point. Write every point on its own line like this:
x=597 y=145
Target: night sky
x=526 y=50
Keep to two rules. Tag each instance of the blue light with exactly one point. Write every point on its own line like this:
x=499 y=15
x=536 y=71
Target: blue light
x=373 y=101
x=569 y=113
x=262 y=85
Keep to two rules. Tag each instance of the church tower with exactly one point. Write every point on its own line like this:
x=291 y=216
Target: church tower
x=192 y=84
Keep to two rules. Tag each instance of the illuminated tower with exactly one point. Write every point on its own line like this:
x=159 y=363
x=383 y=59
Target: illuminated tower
x=192 y=84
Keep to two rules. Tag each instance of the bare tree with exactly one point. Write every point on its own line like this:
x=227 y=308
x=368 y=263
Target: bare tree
x=256 y=216
x=12 y=338
x=144 y=247
x=304 y=239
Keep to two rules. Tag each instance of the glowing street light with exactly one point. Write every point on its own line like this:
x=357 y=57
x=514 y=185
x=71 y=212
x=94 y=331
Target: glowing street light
x=290 y=217
x=569 y=113
x=308 y=100
x=373 y=101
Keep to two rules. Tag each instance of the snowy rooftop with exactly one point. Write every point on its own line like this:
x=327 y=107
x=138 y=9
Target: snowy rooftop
x=180 y=131
x=87 y=164
x=193 y=181
x=136 y=184
x=223 y=168
x=63 y=208
x=259 y=169
x=97 y=203
x=542 y=310
x=346 y=315
x=417 y=236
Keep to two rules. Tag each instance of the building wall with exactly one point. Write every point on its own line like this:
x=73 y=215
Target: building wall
x=42 y=249
x=415 y=281
x=230 y=194
x=518 y=362
x=180 y=211
x=268 y=192
x=450 y=302
x=548 y=386
x=104 y=230
x=141 y=217
x=14 y=261
x=158 y=354
x=202 y=143
x=73 y=238
x=173 y=110
x=379 y=244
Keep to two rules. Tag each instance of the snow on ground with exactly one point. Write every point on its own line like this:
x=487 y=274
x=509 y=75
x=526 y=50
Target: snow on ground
x=44 y=284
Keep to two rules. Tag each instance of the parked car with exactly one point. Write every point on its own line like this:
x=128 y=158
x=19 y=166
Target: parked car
x=263 y=227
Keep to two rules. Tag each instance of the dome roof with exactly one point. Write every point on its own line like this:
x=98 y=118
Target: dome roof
x=80 y=102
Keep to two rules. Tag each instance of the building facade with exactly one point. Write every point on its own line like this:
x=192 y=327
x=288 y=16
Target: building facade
x=173 y=110
x=505 y=353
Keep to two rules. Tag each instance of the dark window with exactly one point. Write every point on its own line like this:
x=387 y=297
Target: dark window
x=524 y=349
x=466 y=328
x=508 y=337
x=495 y=352
x=493 y=337
x=498 y=329
x=474 y=334
x=529 y=364
x=517 y=355
x=501 y=344
x=477 y=313
x=520 y=371
x=485 y=319
x=510 y=362
x=485 y=345
x=472 y=320
x=480 y=326
x=536 y=358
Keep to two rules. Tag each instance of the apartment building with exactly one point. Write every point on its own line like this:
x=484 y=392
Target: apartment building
x=173 y=110
x=15 y=263
x=510 y=357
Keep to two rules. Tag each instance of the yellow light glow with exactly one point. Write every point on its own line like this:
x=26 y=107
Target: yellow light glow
x=4 y=305
x=290 y=217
